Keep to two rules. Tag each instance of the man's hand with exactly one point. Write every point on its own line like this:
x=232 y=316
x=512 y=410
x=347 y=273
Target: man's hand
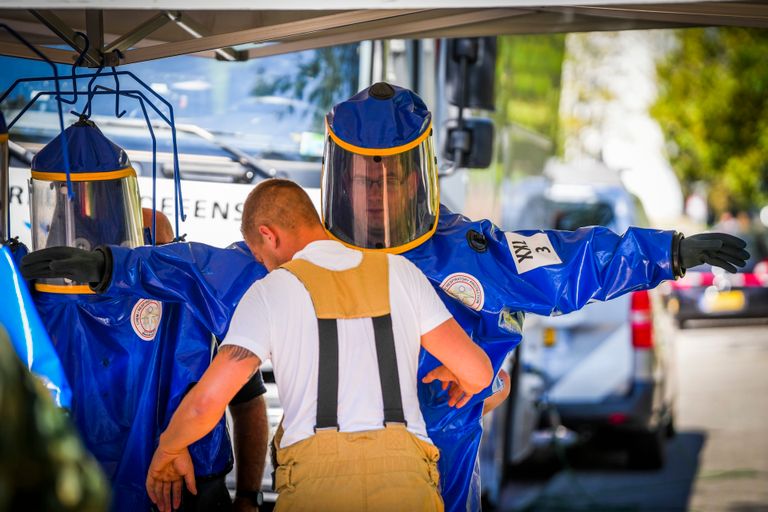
x=164 y=479
x=717 y=249
x=68 y=262
x=457 y=396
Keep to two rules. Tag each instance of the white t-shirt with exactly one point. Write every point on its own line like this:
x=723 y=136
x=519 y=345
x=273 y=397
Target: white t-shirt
x=275 y=320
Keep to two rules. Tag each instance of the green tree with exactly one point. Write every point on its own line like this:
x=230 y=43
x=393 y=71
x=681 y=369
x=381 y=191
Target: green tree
x=528 y=71
x=528 y=76
x=526 y=119
x=713 y=109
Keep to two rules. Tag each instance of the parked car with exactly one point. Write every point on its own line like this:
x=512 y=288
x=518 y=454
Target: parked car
x=604 y=369
x=709 y=292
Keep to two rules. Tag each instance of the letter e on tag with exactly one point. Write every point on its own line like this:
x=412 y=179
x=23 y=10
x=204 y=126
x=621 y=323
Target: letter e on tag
x=530 y=252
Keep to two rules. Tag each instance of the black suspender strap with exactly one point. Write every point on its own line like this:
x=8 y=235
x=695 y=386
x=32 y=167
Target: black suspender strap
x=328 y=374
x=388 y=374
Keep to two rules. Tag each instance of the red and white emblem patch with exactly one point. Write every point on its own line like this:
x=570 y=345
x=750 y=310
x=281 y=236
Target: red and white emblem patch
x=145 y=318
x=466 y=288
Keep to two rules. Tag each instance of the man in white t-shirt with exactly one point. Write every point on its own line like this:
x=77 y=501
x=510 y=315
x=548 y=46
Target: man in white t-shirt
x=343 y=329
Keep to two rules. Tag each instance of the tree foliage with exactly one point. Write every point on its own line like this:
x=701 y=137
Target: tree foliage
x=321 y=77
x=528 y=76
x=713 y=110
x=528 y=70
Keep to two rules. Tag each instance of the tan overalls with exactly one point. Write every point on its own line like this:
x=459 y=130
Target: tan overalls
x=377 y=470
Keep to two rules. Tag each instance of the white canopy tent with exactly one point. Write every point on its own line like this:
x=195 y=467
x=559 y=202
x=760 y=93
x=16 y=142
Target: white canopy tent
x=127 y=31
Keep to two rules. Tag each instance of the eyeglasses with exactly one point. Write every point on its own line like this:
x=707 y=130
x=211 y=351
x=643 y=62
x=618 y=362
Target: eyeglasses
x=366 y=181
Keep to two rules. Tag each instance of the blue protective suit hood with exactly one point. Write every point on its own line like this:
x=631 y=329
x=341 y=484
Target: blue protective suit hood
x=379 y=117
x=89 y=151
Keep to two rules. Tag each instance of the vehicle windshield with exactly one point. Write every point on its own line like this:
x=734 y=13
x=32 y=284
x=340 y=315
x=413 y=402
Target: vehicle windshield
x=571 y=216
x=270 y=108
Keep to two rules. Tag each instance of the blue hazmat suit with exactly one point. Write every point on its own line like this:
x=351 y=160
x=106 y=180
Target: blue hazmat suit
x=495 y=287
x=486 y=288
x=131 y=359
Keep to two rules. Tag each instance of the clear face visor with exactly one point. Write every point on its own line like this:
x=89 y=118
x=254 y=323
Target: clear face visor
x=381 y=201
x=105 y=212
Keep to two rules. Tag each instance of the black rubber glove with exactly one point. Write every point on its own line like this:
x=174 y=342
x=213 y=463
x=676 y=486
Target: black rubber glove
x=78 y=265
x=716 y=249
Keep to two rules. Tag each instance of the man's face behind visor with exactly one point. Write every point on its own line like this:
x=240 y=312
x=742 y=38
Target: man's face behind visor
x=382 y=192
x=380 y=202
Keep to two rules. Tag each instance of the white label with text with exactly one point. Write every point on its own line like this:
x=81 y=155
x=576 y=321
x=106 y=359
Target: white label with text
x=530 y=252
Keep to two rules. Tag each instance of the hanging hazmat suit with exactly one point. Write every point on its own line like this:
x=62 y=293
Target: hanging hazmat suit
x=129 y=359
x=26 y=332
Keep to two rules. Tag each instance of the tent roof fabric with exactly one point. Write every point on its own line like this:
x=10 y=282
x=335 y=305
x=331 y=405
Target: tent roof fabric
x=239 y=29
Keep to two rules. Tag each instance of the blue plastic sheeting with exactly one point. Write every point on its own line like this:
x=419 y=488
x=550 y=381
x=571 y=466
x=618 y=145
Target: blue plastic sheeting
x=28 y=336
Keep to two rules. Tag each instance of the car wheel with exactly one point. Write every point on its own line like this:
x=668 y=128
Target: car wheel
x=647 y=450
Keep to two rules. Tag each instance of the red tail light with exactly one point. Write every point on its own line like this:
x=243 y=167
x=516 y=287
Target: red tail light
x=761 y=272
x=617 y=418
x=641 y=317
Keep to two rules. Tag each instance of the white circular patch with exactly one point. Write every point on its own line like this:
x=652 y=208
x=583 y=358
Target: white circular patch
x=145 y=318
x=466 y=288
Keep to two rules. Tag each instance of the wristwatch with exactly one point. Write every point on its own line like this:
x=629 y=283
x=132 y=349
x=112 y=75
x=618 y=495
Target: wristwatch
x=256 y=497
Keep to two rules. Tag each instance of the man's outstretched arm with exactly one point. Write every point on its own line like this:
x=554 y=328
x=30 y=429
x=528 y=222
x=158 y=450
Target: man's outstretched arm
x=551 y=272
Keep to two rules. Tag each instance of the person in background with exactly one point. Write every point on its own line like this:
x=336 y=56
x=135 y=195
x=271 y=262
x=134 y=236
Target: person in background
x=164 y=233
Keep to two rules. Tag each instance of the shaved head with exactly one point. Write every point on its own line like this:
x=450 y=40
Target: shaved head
x=277 y=203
